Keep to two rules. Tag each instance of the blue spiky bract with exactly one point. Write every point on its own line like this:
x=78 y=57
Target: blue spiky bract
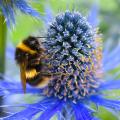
x=71 y=45
x=9 y=7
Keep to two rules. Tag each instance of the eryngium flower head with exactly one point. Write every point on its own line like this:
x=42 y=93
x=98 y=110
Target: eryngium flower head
x=8 y=8
x=74 y=55
x=76 y=76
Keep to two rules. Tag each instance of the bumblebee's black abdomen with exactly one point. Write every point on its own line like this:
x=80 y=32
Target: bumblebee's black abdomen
x=38 y=80
x=34 y=60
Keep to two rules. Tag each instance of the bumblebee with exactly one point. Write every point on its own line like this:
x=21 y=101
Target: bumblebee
x=29 y=55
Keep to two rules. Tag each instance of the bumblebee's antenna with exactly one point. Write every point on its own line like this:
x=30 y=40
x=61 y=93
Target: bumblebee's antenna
x=44 y=37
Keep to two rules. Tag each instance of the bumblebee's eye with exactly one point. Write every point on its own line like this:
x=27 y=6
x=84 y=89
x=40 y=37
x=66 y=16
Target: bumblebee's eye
x=26 y=55
x=21 y=56
x=33 y=43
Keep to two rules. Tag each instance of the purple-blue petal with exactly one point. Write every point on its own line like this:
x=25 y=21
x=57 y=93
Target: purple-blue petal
x=30 y=110
x=112 y=54
x=24 y=114
x=11 y=13
x=66 y=113
x=8 y=88
x=25 y=8
x=51 y=111
x=10 y=50
x=82 y=113
x=9 y=8
x=111 y=60
x=99 y=100
x=110 y=85
x=5 y=13
x=48 y=15
x=93 y=15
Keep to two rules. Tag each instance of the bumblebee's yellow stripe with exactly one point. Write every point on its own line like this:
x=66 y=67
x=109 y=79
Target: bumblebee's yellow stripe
x=31 y=73
x=25 y=48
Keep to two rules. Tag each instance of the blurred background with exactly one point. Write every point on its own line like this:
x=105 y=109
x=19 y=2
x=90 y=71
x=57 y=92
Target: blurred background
x=108 y=20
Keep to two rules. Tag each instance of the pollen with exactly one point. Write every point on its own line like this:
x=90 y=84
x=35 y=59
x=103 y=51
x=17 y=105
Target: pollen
x=75 y=51
x=31 y=73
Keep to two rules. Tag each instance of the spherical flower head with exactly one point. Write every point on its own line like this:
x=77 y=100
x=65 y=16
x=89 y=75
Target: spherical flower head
x=74 y=56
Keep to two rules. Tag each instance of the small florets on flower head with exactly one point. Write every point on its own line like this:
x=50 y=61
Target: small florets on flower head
x=73 y=51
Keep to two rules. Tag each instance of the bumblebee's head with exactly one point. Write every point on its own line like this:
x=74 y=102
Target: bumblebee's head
x=26 y=48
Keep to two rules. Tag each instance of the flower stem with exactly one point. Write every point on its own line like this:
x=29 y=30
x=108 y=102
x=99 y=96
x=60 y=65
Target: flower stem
x=3 y=31
x=2 y=43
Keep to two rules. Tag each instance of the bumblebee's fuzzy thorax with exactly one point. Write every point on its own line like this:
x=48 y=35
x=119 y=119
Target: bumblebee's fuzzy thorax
x=75 y=52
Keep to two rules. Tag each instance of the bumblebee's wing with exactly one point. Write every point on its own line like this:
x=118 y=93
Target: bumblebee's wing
x=23 y=76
